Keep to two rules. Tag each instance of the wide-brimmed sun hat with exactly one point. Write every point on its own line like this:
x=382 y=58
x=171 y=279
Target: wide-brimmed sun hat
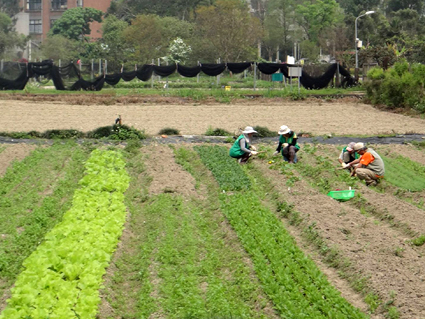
x=359 y=146
x=249 y=130
x=284 y=130
x=350 y=146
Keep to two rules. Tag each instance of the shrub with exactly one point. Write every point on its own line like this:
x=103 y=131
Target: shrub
x=217 y=132
x=169 y=131
x=264 y=131
x=62 y=134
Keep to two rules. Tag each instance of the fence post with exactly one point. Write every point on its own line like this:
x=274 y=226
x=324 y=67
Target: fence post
x=159 y=64
x=106 y=66
x=1 y=71
x=60 y=62
x=92 y=69
x=197 y=77
x=218 y=76
x=166 y=80
x=153 y=63
x=255 y=75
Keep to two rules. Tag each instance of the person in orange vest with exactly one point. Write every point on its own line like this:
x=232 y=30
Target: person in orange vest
x=369 y=167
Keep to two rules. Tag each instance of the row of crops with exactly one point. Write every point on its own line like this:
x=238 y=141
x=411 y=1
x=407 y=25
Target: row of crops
x=63 y=211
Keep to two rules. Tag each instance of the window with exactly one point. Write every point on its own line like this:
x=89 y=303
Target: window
x=36 y=26
x=59 y=4
x=33 y=4
x=80 y=3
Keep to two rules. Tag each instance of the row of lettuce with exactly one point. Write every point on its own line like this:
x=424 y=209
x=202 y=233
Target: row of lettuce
x=62 y=277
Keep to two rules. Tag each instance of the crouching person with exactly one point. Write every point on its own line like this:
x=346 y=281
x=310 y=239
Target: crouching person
x=370 y=167
x=348 y=155
x=288 y=144
x=241 y=149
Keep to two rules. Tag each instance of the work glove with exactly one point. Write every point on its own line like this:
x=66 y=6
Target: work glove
x=253 y=148
x=284 y=145
x=254 y=152
x=344 y=165
x=275 y=153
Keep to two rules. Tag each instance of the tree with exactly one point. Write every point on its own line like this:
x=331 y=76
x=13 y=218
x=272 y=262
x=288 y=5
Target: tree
x=113 y=38
x=227 y=30
x=182 y=9
x=10 y=7
x=58 y=47
x=75 y=23
x=144 y=36
x=317 y=17
x=279 y=26
x=9 y=39
x=178 y=51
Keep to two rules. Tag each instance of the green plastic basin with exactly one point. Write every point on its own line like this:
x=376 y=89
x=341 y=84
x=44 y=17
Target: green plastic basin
x=342 y=195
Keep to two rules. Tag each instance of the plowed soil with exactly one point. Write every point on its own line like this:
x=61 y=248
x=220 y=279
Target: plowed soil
x=87 y=112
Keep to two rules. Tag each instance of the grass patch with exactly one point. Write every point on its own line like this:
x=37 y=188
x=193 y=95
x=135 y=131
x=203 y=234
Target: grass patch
x=404 y=173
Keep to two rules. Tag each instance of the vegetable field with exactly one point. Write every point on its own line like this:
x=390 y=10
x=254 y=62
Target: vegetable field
x=182 y=231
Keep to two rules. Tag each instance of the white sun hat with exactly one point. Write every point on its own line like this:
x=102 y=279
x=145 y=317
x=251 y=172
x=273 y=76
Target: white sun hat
x=284 y=130
x=359 y=146
x=249 y=130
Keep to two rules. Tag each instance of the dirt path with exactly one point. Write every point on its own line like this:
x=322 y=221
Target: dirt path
x=313 y=116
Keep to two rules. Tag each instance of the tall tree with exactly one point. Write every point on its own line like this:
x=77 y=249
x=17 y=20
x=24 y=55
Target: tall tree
x=182 y=9
x=75 y=23
x=8 y=37
x=279 y=27
x=228 y=31
x=10 y=7
x=145 y=38
x=316 y=17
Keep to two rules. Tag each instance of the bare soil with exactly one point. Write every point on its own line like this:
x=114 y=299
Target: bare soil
x=86 y=112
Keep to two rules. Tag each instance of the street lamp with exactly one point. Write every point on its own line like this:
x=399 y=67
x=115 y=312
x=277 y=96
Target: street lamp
x=356 y=40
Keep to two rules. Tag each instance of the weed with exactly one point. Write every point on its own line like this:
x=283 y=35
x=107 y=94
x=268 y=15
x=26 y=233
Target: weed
x=373 y=301
x=399 y=251
x=169 y=131
x=419 y=241
x=217 y=132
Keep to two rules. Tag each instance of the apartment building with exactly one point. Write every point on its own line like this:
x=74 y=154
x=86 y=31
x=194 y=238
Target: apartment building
x=37 y=16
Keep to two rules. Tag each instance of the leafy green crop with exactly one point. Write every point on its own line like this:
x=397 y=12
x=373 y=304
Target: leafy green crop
x=404 y=173
x=228 y=173
x=62 y=277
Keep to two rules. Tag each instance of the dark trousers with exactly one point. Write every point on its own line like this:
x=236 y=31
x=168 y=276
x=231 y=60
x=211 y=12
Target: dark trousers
x=289 y=153
x=244 y=158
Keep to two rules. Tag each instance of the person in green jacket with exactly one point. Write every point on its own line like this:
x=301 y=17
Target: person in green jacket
x=288 y=144
x=241 y=149
x=348 y=155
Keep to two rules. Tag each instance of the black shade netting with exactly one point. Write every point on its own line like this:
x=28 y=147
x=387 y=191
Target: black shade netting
x=188 y=72
x=17 y=84
x=164 y=70
x=95 y=85
x=213 y=69
x=128 y=76
x=145 y=73
x=113 y=79
x=238 y=67
x=315 y=83
x=269 y=68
